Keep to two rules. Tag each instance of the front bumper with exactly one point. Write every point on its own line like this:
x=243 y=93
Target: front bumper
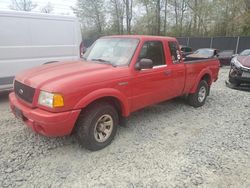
x=240 y=79
x=237 y=75
x=44 y=122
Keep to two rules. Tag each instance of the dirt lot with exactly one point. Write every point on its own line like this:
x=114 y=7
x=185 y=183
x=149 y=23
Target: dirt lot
x=168 y=145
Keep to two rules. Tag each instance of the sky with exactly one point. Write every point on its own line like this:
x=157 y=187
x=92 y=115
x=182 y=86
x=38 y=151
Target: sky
x=60 y=7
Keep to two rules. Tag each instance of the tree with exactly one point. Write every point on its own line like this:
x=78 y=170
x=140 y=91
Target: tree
x=22 y=5
x=180 y=8
x=92 y=14
x=165 y=17
x=117 y=13
x=47 y=8
x=158 y=17
x=153 y=16
x=129 y=14
x=246 y=19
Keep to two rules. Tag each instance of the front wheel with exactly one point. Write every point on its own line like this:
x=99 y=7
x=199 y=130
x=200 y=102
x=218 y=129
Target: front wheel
x=97 y=126
x=232 y=80
x=198 y=98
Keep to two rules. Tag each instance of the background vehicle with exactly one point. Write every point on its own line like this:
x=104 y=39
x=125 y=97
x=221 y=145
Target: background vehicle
x=118 y=75
x=31 y=39
x=225 y=57
x=185 y=50
x=240 y=68
x=204 y=53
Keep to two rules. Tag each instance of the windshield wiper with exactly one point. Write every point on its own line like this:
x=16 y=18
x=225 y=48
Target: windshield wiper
x=103 y=61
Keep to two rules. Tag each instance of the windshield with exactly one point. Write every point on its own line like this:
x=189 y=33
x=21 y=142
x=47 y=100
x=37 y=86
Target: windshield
x=116 y=51
x=245 y=53
x=205 y=52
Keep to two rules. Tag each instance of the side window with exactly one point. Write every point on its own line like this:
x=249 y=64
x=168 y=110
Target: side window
x=175 y=54
x=153 y=50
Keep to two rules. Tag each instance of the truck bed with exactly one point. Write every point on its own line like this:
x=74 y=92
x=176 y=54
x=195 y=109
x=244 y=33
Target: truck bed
x=197 y=66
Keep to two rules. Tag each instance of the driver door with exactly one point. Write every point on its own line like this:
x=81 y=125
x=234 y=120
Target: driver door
x=149 y=86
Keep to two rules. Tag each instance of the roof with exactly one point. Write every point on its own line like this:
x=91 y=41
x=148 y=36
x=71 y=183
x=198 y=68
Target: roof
x=207 y=49
x=141 y=37
x=18 y=14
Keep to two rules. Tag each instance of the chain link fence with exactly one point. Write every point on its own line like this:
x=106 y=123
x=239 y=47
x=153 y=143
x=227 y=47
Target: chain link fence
x=237 y=44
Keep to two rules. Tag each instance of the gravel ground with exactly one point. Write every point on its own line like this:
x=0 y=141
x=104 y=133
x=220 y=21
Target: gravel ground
x=167 y=145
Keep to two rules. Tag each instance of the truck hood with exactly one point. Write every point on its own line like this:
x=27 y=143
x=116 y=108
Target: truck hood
x=64 y=74
x=244 y=60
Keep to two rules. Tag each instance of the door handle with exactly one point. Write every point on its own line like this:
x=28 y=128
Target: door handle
x=167 y=72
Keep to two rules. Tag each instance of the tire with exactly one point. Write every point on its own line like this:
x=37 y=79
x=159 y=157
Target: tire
x=90 y=129
x=198 y=98
x=234 y=82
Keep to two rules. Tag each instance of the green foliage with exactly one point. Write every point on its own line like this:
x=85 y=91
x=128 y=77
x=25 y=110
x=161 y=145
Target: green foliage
x=164 y=17
x=92 y=15
x=246 y=24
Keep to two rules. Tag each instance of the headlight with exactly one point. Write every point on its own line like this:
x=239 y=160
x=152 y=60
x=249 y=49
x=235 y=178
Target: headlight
x=50 y=99
x=236 y=62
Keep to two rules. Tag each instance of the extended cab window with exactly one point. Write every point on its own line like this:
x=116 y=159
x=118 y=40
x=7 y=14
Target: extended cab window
x=153 y=50
x=175 y=54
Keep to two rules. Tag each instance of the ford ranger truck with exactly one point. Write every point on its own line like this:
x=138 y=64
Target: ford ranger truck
x=117 y=76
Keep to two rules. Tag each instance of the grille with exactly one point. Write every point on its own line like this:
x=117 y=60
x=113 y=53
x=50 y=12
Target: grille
x=245 y=69
x=24 y=92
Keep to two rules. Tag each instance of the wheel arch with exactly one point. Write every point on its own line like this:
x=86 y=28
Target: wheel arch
x=208 y=78
x=204 y=75
x=112 y=96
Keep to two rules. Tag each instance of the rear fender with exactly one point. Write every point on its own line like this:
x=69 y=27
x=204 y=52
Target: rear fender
x=199 y=77
x=101 y=93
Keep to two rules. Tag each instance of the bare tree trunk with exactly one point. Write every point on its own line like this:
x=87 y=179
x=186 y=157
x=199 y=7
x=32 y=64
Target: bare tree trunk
x=147 y=13
x=117 y=14
x=130 y=15
x=98 y=19
x=176 y=13
x=158 y=17
x=183 y=9
x=195 y=16
x=121 y=19
x=247 y=2
x=129 y=6
x=121 y=26
x=165 y=17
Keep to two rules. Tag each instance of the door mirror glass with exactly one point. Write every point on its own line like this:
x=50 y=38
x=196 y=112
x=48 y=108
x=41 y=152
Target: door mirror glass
x=144 y=64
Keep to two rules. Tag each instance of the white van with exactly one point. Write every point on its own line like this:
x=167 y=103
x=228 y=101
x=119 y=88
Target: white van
x=31 y=39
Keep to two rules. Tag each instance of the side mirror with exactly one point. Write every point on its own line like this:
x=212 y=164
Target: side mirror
x=144 y=64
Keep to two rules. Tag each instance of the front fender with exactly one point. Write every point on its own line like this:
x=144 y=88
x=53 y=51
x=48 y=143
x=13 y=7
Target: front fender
x=106 y=92
x=199 y=77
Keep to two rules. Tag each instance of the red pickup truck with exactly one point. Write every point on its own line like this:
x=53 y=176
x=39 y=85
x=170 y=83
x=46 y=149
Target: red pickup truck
x=117 y=76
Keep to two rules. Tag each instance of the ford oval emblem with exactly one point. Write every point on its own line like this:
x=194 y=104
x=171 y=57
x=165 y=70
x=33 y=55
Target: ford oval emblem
x=20 y=91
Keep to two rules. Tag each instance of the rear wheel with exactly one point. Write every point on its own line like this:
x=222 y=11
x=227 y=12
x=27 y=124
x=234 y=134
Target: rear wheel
x=198 y=98
x=97 y=126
